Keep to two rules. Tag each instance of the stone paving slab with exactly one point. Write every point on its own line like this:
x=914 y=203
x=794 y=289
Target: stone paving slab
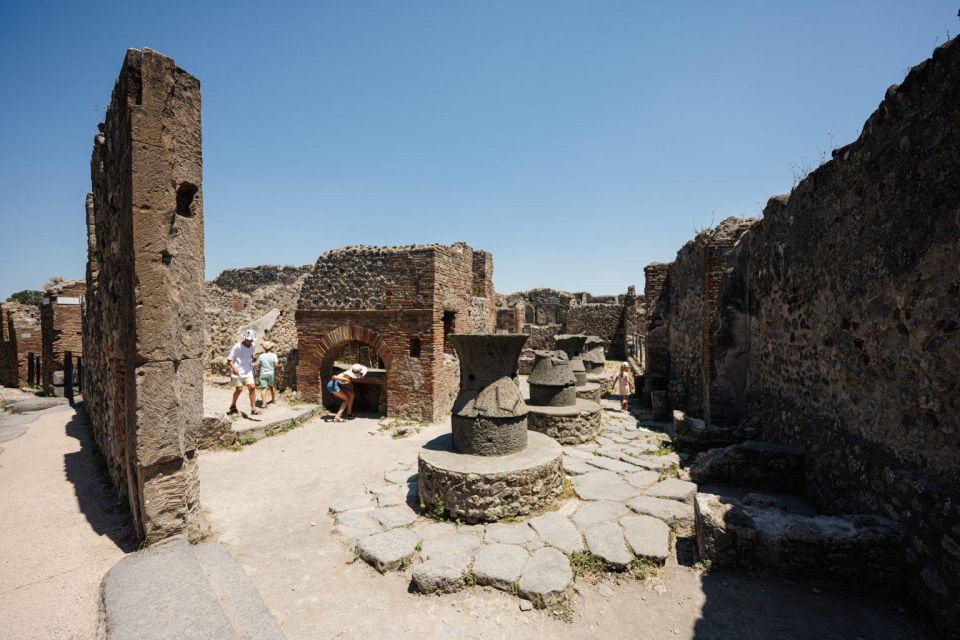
x=605 y=540
x=617 y=466
x=557 y=531
x=576 y=452
x=351 y=502
x=510 y=533
x=674 y=489
x=457 y=543
x=386 y=551
x=642 y=478
x=500 y=565
x=603 y=485
x=546 y=577
x=576 y=466
x=444 y=573
x=353 y=525
x=591 y=513
x=648 y=537
x=664 y=509
x=392 y=517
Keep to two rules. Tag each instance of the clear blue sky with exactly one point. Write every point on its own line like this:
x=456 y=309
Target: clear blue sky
x=575 y=140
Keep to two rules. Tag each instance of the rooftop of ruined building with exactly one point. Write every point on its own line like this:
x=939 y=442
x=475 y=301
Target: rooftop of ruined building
x=363 y=249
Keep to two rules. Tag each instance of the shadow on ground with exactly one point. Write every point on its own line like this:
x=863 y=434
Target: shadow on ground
x=97 y=498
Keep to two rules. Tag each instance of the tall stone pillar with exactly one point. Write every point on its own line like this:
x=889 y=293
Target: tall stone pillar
x=145 y=292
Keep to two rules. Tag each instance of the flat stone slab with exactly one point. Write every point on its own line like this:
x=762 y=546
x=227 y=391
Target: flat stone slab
x=351 y=502
x=656 y=463
x=577 y=452
x=386 y=551
x=510 y=533
x=390 y=500
x=647 y=536
x=603 y=485
x=667 y=510
x=592 y=513
x=612 y=451
x=500 y=565
x=642 y=479
x=546 y=577
x=176 y=590
x=617 y=466
x=605 y=540
x=400 y=476
x=457 y=543
x=354 y=525
x=576 y=466
x=674 y=489
x=444 y=573
x=392 y=517
x=557 y=531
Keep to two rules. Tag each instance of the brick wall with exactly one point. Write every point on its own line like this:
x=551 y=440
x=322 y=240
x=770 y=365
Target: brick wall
x=402 y=301
x=144 y=322
x=61 y=330
x=22 y=336
x=657 y=337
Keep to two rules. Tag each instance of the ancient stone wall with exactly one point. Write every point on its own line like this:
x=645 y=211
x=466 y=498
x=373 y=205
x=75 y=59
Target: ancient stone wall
x=61 y=330
x=403 y=302
x=834 y=325
x=855 y=345
x=657 y=335
x=238 y=297
x=144 y=321
x=21 y=338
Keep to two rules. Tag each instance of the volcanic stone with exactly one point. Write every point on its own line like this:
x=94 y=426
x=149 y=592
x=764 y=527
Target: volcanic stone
x=546 y=577
x=386 y=551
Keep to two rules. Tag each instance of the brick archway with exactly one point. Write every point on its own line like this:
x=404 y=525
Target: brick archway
x=328 y=347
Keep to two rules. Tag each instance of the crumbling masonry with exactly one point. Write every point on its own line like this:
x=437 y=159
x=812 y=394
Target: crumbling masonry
x=401 y=304
x=62 y=333
x=833 y=327
x=143 y=324
x=20 y=338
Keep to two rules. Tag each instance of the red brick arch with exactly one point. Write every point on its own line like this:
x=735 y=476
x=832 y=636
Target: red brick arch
x=326 y=347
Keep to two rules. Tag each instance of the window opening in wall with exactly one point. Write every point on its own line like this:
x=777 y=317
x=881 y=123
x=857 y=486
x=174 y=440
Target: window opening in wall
x=449 y=320
x=414 y=347
x=185 y=194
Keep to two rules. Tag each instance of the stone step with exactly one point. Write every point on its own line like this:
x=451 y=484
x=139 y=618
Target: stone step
x=181 y=591
x=693 y=434
x=757 y=465
x=758 y=533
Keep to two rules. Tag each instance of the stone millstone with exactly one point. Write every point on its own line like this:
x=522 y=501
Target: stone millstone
x=386 y=551
x=499 y=565
x=546 y=578
x=593 y=356
x=603 y=485
x=551 y=380
x=488 y=488
x=574 y=424
x=573 y=346
x=605 y=540
x=557 y=531
x=489 y=414
x=648 y=537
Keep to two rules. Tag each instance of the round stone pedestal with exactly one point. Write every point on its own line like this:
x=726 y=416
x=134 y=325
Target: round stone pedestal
x=567 y=425
x=590 y=391
x=600 y=378
x=489 y=488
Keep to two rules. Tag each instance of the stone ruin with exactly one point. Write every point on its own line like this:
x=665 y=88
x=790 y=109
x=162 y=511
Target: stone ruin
x=143 y=326
x=554 y=408
x=821 y=343
x=61 y=326
x=20 y=349
x=490 y=466
x=399 y=305
x=544 y=313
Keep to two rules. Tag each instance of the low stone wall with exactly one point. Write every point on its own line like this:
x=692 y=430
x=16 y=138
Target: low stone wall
x=757 y=465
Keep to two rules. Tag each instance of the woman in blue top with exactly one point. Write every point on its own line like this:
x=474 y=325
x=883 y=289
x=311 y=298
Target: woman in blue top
x=341 y=386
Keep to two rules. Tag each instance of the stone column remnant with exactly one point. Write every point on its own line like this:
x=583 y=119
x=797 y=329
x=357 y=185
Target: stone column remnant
x=551 y=380
x=573 y=345
x=489 y=415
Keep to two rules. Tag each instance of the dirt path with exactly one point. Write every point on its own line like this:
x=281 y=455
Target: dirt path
x=60 y=534
x=268 y=505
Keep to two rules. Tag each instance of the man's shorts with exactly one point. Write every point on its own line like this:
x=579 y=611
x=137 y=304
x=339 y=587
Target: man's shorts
x=266 y=381
x=242 y=380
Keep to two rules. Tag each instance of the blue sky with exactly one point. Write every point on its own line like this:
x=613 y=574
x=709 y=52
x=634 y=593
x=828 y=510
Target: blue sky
x=577 y=141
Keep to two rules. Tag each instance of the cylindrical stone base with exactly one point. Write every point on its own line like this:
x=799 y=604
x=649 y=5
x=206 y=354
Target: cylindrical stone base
x=544 y=396
x=482 y=436
x=567 y=425
x=581 y=377
x=605 y=380
x=489 y=488
x=590 y=391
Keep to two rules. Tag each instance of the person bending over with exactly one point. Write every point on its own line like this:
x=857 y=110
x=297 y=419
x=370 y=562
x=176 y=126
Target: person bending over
x=341 y=387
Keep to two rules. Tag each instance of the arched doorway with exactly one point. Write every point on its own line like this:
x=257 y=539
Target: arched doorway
x=346 y=346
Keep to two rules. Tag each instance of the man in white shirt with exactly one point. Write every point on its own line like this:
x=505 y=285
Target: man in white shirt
x=240 y=361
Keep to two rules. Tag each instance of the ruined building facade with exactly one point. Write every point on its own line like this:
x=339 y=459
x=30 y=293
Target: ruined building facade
x=143 y=333
x=61 y=330
x=400 y=304
x=833 y=325
x=20 y=343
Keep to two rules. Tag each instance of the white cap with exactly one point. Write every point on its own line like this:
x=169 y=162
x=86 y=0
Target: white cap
x=250 y=334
